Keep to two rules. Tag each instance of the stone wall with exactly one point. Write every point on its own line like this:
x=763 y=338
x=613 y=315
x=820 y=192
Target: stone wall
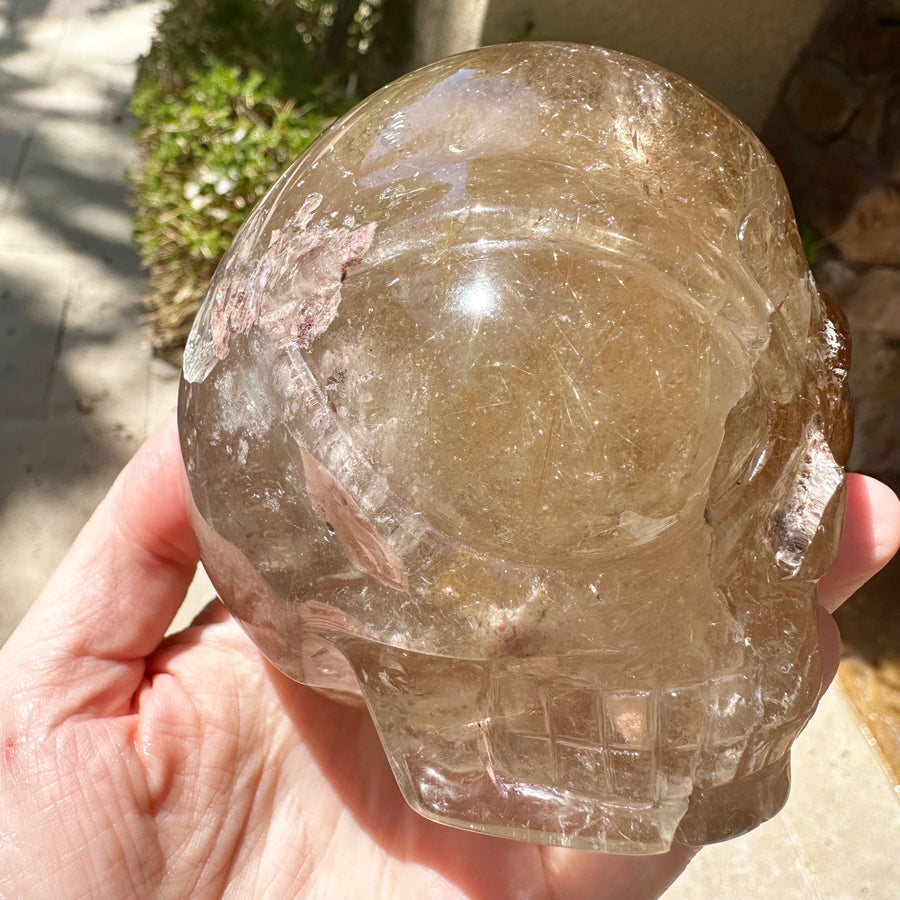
x=836 y=135
x=738 y=52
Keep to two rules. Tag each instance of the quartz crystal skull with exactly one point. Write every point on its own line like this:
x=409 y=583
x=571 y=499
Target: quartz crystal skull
x=515 y=412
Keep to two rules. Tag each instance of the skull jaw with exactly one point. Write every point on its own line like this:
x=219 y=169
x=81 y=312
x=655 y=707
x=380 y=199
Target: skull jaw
x=538 y=813
x=563 y=818
x=586 y=807
x=466 y=751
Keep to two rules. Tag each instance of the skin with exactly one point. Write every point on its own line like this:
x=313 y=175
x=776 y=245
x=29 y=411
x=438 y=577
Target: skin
x=135 y=765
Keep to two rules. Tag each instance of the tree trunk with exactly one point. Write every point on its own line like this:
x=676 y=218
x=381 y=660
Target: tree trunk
x=333 y=49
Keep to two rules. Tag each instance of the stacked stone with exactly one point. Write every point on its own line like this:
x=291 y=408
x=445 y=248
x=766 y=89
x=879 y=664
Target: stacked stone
x=836 y=136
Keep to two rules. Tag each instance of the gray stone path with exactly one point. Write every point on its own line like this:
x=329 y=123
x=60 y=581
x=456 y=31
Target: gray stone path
x=79 y=391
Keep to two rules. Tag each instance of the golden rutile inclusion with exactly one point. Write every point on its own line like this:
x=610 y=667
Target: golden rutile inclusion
x=515 y=411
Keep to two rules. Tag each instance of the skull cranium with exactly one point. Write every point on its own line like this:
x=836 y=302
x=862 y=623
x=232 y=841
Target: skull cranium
x=514 y=410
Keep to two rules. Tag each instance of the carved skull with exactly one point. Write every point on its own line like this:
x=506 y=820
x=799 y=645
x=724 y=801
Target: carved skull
x=514 y=411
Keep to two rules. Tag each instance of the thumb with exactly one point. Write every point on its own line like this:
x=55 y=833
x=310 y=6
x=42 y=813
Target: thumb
x=82 y=644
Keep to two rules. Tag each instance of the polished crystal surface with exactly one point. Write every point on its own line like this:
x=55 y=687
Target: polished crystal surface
x=514 y=411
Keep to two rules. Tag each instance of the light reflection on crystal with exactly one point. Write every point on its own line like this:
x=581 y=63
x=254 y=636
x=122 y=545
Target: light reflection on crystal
x=476 y=300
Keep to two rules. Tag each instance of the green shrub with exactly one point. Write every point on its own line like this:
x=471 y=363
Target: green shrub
x=811 y=240
x=231 y=92
x=209 y=155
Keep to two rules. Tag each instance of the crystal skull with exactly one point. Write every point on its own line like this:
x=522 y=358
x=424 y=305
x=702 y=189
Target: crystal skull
x=514 y=411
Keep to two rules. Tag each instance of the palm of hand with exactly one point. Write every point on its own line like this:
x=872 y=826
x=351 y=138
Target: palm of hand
x=188 y=767
x=218 y=776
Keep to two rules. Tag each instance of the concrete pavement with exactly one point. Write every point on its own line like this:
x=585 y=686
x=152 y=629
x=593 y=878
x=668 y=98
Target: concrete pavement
x=79 y=388
x=79 y=391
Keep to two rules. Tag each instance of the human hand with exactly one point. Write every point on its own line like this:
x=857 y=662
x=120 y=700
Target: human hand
x=139 y=766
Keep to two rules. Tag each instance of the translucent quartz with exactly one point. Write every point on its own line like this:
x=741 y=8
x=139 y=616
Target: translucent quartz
x=514 y=411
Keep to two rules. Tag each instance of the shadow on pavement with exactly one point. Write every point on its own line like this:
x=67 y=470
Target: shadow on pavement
x=73 y=370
